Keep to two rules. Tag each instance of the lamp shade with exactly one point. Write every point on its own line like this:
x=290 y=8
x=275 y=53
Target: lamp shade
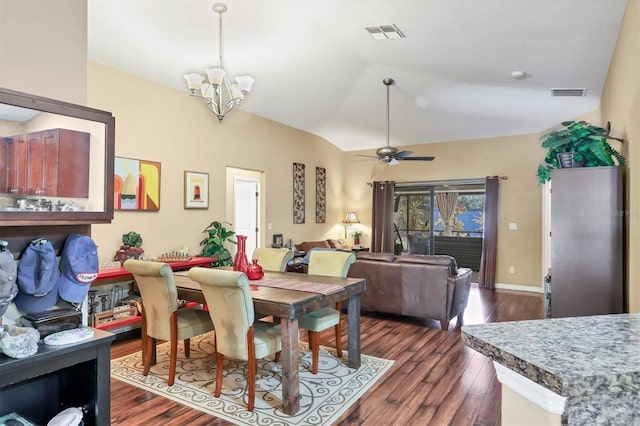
x=350 y=217
x=245 y=82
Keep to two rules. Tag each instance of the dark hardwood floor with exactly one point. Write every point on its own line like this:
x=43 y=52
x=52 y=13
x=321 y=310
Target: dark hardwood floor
x=435 y=379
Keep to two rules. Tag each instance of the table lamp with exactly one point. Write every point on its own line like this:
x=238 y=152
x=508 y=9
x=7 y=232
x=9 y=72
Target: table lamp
x=349 y=219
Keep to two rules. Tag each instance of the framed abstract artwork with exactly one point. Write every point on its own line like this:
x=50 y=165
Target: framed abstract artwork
x=298 y=193
x=136 y=184
x=321 y=194
x=196 y=190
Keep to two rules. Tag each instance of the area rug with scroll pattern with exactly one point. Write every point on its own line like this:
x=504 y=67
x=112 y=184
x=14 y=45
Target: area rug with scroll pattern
x=324 y=396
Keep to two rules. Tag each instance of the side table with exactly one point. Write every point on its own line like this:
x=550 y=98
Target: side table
x=355 y=250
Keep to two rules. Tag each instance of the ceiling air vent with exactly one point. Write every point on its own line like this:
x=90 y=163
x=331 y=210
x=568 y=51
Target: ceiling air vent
x=568 y=92
x=384 y=32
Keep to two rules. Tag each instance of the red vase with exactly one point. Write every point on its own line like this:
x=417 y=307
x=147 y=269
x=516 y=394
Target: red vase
x=255 y=271
x=240 y=262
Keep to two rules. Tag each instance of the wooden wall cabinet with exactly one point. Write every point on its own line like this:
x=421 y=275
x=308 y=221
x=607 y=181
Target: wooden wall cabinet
x=58 y=163
x=587 y=256
x=17 y=152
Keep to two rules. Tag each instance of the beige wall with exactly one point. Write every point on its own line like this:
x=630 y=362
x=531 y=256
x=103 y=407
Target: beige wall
x=43 y=48
x=621 y=106
x=515 y=157
x=158 y=123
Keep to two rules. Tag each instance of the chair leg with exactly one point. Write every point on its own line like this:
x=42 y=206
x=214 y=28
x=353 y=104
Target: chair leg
x=276 y=357
x=338 y=341
x=253 y=366
x=187 y=348
x=174 y=349
x=147 y=356
x=219 y=366
x=314 y=343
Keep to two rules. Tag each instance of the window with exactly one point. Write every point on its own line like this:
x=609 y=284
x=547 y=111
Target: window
x=420 y=228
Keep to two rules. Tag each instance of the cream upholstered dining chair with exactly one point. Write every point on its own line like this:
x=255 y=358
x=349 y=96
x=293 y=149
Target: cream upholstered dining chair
x=331 y=264
x=231 y=308
x=163 y=319
x=272 y=259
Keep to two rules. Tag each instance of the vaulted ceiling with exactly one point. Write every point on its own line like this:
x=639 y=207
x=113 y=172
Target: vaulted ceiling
x=318 y=69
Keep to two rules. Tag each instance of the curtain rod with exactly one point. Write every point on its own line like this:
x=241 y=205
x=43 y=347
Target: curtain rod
x=444 y=182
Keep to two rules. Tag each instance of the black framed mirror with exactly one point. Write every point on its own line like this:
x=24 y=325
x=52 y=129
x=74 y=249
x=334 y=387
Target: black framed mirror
x=56 y=162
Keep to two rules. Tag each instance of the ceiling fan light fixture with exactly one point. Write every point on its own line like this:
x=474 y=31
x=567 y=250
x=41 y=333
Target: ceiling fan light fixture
x=390 y=154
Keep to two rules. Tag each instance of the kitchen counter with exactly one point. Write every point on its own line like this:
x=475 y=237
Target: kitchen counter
x=589 y=367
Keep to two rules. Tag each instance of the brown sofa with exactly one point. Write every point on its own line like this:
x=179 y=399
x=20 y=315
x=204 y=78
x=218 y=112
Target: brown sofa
x=430 y=287
x=308 y=245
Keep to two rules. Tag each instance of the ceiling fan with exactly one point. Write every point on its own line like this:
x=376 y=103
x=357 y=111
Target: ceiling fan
x=390 y=154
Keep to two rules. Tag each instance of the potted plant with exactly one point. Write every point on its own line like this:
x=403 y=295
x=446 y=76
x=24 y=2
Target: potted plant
x=213 y=244
x=131 y=247
x=578 y=144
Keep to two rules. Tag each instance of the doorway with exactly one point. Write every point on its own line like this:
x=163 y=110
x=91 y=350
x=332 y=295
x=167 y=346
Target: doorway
x=245 y=205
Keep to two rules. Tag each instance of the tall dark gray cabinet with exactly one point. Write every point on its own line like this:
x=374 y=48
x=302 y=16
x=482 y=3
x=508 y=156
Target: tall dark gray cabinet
x=587 y=220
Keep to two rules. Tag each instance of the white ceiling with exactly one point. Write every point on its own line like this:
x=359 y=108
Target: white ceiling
x=317 y=69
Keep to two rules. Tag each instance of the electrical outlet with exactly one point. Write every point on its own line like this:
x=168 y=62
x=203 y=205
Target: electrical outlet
x=512 y=269
x=513 y=226
x=269 y=226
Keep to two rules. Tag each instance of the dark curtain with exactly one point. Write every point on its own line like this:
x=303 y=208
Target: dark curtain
x=487 y=275
x=382 y=224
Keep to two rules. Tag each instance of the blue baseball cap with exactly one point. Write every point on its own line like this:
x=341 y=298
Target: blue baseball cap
x=79 y=265
x=37 y=277
x=8 y=287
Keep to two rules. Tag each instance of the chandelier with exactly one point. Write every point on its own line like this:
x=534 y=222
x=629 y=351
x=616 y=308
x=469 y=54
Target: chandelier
x=218 y=94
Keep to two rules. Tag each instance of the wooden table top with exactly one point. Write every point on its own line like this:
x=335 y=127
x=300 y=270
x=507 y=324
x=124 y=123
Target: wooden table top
x=283 y=302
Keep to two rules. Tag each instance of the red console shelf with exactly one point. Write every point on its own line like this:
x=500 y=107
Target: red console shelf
x=104 y=274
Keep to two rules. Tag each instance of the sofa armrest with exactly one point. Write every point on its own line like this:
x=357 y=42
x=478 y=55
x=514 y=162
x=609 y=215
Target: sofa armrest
x=462 y=284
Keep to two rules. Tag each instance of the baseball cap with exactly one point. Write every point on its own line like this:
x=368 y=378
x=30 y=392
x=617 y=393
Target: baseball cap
x=8 y=287
x=79 y=265
x=37 y=277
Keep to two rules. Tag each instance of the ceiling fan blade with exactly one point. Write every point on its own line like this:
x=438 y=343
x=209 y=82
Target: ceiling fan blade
x=401 y=154
x=417 y=158
x=368 y=156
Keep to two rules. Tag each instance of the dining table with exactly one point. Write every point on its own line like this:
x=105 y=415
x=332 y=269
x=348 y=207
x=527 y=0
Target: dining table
x=287 y=297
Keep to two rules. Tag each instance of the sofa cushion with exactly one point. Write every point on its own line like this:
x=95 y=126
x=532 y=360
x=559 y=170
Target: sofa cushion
x=382 y=257
x=443 y=260
x=308 y=245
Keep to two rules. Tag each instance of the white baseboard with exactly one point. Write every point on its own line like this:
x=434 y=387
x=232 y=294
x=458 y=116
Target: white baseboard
x=516 y=287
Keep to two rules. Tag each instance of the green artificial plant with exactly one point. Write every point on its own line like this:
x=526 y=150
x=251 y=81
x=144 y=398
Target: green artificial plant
x=213 y=244
x=587 y=143
x=132 y=239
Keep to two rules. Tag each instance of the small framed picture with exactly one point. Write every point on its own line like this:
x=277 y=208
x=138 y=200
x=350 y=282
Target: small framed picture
x=196 y=190
x=277 y=241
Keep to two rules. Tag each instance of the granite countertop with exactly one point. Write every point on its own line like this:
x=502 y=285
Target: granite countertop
x=594 y=361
